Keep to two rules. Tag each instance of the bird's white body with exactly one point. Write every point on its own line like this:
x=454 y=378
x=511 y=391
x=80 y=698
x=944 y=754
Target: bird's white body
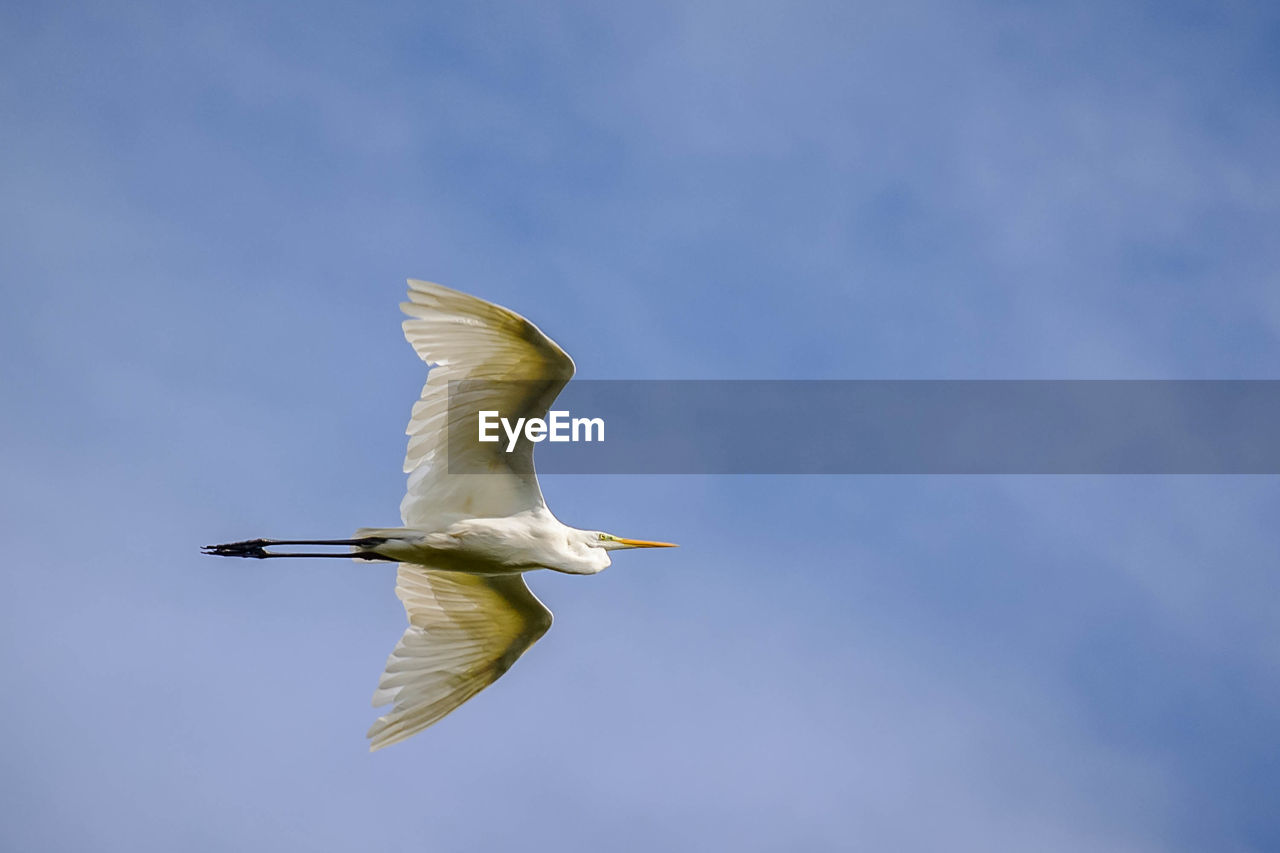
x=468 y=538
x=514 y=544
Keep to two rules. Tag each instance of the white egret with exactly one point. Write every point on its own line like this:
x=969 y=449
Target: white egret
x=468 y=538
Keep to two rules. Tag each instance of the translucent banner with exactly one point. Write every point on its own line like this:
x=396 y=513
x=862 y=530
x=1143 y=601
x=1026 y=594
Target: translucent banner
x=871 y=426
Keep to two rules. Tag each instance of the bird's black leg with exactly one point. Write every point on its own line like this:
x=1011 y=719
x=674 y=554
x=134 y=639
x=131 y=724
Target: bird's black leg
x=257 y=548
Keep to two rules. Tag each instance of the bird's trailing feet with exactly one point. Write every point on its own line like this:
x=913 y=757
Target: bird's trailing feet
x=257 y=548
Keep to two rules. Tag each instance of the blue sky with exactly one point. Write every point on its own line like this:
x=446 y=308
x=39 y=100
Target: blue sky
x=208 y=214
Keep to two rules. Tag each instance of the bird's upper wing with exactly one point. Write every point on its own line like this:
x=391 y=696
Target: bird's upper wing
x=464 y=632
x=466 y=338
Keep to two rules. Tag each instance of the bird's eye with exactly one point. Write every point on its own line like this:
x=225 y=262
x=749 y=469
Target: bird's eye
x=604 y=536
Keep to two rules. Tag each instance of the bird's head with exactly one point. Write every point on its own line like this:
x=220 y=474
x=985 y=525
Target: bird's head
x=609 y=542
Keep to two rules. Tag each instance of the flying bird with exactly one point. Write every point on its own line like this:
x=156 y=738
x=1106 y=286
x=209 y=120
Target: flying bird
x=468 y=538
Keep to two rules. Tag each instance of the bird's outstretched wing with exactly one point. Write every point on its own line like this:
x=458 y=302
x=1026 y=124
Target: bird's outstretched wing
x=466 y=338
x=464 y=632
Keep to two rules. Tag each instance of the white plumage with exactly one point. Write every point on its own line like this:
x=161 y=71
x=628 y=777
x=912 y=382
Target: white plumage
x=468 y=538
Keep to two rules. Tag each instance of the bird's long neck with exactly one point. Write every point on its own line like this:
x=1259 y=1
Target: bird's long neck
x=575 y=556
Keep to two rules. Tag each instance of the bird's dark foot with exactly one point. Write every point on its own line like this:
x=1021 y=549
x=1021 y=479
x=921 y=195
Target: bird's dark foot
x=255 y=548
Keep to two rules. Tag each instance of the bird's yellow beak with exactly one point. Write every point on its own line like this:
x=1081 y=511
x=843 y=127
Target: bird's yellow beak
x=642 y=543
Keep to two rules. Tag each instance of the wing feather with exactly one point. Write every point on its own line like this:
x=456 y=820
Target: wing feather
x=464 y=632
x=465 y=338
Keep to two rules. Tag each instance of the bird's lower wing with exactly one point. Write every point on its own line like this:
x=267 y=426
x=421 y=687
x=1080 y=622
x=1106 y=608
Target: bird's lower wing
x=464 y=632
